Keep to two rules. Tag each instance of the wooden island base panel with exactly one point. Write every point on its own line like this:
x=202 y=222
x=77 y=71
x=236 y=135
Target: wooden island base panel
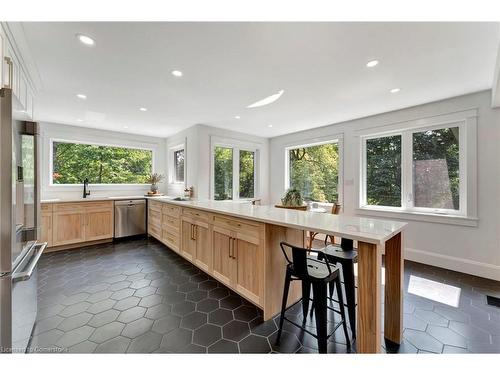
x=238 y=244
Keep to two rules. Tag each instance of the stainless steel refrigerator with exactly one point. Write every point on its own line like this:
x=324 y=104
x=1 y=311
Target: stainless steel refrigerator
x=19 y=227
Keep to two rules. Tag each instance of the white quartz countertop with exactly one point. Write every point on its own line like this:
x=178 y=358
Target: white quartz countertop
x=357 y=228
x=92 y=198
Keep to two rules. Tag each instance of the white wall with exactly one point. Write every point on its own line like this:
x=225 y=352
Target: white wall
x=474 y=250
x=198 y=158
x=67 y=132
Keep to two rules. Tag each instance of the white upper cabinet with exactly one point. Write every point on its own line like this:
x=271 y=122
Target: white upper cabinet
x=13 y=75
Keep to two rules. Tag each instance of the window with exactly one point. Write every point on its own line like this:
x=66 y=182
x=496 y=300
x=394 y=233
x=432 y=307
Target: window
x=234 y=170
x=436 y=166
x=73 y=162
x=247 y=174
x=314 y=171
x=223 y=178
x=179 y=166
x=383 y=171
x=416 y=170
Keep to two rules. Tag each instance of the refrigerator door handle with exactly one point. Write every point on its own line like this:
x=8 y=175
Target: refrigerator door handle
x=25 y=275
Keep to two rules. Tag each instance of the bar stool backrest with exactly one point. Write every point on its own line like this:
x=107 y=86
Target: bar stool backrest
x=300 y=258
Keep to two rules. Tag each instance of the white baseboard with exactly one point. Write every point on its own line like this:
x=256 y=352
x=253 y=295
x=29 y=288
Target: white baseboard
x=489 y=271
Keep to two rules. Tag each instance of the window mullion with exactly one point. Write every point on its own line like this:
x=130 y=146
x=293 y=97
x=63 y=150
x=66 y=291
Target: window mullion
x=406 y=171
x=236 y=173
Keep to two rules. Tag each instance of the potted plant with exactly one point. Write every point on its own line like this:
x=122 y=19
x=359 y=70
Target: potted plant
x=293 y=199
x=154 y=179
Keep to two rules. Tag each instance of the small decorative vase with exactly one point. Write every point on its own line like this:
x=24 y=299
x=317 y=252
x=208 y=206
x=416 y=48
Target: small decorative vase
x=154 y=188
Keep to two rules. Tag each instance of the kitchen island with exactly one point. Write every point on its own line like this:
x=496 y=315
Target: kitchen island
x=238 y=244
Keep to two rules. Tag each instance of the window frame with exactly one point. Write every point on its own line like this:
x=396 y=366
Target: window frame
x=171 y=164
x=334 y=138
x=466 y=121
x=92 y=143
x=236 y=146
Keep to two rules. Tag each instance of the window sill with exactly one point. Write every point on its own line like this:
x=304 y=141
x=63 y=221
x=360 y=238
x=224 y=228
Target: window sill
x=420 y=216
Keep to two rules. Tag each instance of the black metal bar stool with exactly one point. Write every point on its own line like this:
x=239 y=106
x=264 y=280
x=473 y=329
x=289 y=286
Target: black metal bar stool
x=317 y=274
x=346 y=256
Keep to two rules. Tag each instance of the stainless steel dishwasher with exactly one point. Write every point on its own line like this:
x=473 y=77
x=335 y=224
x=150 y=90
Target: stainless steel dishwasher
x=130 y=217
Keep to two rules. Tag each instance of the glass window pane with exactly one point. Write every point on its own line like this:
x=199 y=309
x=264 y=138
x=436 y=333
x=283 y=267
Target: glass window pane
x=223 y=173
x=314 y=172
x=179 y=165
x=247 y=174
x=73 y=162
x=383 y=171
x=436 y=168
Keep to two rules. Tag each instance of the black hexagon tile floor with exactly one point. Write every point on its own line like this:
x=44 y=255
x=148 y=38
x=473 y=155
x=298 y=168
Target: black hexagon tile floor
x=138 y=296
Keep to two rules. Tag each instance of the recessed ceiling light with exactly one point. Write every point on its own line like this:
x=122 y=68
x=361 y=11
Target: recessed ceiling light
x=266 y=101
x=270 y=126
x=177 y=73
x=125 y=127
x=81 y=96
x=372 y=63
x=143 y=109
x=237 y=117
x=79 y=120
x=85 y=39
x=395 y=90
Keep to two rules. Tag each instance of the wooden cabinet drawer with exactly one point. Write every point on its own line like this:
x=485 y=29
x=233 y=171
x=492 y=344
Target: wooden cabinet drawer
x=99 y=206
x=196 y=214
x=83 y=206
x=170 y=239
x=154 y=217
x=61 y=207
x=249 y=228
x=46 y=207
x=154 y=231
x=171 y=210
x=172 y=223
x=155 y=205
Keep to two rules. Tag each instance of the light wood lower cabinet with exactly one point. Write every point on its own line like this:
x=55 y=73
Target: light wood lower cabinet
x=99 y=224
x=188 y=244
x=195 y=245
x=164 y=224
x=238 y=262
x=223 y=267
x=69 y=227
x=72 y=223
x=249 y=263
x=203 y=258
x=230 y=249
x=46 y=228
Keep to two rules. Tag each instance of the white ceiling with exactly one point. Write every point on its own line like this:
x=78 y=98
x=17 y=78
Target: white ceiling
x=227 y=66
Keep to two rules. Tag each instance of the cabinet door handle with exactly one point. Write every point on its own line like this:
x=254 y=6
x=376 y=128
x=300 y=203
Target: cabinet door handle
x=234 y=242
x=230 y=247
x=9 y=62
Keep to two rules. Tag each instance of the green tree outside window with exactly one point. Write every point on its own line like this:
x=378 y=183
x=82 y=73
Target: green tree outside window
x=314 y=172
x=73 y=162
